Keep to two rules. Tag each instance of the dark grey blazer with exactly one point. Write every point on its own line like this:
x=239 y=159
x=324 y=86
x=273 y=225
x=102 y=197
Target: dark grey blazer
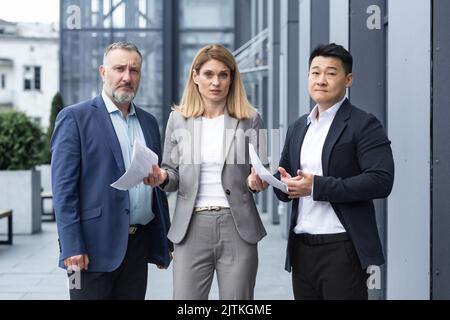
x=181 y=159
x=357 y=167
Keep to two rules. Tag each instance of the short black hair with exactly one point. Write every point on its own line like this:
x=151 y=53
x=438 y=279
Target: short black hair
x=335 y=51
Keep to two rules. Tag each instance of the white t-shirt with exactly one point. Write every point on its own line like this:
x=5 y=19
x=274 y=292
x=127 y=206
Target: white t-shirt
x=210 y=192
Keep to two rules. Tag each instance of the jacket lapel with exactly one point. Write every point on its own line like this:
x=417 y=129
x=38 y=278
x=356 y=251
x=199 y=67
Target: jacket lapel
x=146 y=130
x=337 y=127
x=229 y=133
x=107 y=128
x=195 y=130
x=298 y=136
x=297 y=141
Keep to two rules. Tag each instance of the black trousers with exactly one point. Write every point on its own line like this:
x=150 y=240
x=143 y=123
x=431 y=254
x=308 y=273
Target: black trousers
x=327 y=267
x=127 y=282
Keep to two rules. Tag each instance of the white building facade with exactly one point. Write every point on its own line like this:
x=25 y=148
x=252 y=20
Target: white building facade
x=29 y=68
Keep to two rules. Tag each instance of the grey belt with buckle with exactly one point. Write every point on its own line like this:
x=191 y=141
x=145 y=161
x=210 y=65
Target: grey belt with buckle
x=210 y=208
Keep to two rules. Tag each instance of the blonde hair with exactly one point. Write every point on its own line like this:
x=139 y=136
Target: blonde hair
x=191 y=104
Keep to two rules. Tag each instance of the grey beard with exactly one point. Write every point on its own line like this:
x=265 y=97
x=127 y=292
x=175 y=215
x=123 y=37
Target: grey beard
x=123 y=97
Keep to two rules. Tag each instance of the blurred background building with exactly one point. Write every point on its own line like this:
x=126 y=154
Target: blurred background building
x=169 y=33
x=401 y=51
x=29 y=67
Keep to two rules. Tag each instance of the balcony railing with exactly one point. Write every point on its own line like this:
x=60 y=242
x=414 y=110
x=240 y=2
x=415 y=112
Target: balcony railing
x=252 y=56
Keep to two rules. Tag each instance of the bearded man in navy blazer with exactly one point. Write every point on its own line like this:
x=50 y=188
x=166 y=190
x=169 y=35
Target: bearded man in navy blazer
x=335 y=161
x=108 y=235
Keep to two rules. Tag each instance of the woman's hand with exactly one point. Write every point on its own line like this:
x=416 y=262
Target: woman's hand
x=255 y=183
x=157 y=177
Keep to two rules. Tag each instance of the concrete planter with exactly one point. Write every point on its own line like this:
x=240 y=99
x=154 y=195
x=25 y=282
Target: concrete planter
x=46 y=187
x=46 y=177
x=21 y=192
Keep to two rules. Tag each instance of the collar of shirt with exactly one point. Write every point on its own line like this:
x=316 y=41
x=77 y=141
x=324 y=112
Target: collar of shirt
x=329 y=113
x=111 y=107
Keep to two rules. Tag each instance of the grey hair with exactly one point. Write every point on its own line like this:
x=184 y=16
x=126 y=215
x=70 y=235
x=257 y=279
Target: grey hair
x=124 y=45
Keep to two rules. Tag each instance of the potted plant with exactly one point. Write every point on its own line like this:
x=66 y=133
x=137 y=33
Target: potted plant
x=20 y=149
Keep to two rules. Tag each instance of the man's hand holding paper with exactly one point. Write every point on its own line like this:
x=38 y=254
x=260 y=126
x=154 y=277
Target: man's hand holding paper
x=157 y=177
x=142 y=164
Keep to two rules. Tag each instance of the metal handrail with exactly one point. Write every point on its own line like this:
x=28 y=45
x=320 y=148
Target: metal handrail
x=263 y=34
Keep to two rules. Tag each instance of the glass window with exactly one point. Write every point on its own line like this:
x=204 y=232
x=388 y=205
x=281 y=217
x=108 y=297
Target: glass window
x=28 y=77
x=138 y=21
x=202 y=22
x=191 y=42
x=120 y=14
x=32 y=78
x=3 y=81
x=37 y=78
x=206 y=14
x=95 y=7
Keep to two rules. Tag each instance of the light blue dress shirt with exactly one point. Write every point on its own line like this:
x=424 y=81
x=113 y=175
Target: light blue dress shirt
x=127 y=131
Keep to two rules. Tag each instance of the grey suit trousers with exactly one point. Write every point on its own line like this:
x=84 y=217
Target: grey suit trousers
x=213 y=244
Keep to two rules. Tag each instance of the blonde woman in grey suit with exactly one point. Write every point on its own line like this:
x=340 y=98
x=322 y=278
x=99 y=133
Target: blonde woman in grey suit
x=216 y=226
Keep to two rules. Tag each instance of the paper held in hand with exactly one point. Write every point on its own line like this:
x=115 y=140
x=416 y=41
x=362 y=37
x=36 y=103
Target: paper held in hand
x=141 y=166
x=263 y=173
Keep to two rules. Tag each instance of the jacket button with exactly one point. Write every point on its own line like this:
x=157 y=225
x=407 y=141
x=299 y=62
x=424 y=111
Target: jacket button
x=127 y=211
x=228 y=192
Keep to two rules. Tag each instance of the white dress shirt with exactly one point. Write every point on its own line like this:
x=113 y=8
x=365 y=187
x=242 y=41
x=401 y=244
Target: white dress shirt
x=316 y=217
x=127 y=130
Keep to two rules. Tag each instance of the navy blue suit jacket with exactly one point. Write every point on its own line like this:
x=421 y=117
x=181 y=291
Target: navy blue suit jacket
x=357 y=167
x=92 y=217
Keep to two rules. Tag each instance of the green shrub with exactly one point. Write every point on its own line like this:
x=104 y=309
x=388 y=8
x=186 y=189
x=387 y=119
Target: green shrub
x=57 y=106
x=20 y=141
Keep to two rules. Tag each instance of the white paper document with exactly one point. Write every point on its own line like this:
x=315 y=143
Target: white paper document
x=142 y=161
x=263 y=173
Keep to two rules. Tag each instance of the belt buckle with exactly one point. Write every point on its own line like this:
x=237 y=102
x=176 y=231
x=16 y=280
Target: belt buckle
x=208 y=208
x=132 y=229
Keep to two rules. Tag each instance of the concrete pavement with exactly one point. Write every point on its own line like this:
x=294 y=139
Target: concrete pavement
x=28 y=269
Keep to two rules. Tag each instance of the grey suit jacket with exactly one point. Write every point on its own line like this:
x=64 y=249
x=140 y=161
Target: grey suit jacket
x=182 y=160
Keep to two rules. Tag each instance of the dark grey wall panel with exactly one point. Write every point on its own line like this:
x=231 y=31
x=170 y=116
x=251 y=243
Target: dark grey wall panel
x=368 y=48
x=292 y=61
x=441 y=152
x=320 y=26
x=273 y=112
x=170 y=51
x=320 y=22
x=243 y=28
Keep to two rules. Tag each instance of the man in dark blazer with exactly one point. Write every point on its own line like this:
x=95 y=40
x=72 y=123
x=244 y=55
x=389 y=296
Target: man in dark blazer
x=335 y=161
x=108 y=234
